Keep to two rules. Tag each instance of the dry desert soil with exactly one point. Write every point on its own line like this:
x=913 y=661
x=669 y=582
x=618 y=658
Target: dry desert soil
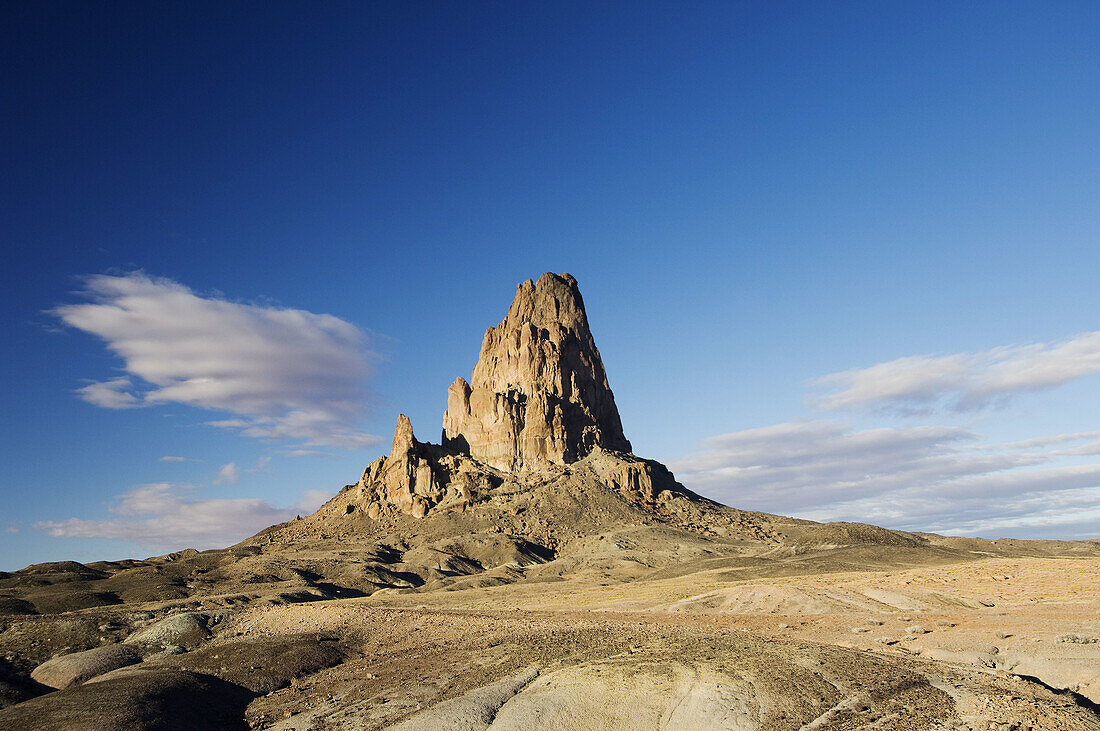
x=747 y=637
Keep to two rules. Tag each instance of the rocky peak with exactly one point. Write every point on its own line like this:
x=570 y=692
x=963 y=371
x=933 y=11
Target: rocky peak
x=538 y=394
x=538 y=397
x=403 y=439
x=409 y=478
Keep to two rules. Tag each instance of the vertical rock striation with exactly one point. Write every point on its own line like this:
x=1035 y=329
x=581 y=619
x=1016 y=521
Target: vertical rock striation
x=538 y=397
x=538 y=394
x=415 y=477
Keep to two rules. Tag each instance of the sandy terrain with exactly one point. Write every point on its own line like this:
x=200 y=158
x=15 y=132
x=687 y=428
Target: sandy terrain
x=779 y=624
x=966 y=645
x=895 y=649
x=637 y=627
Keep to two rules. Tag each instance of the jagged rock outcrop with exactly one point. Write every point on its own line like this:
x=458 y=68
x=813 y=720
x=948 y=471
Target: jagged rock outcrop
x=539 y=394
x=415 y=476
x=639 y=480
x=538 y=400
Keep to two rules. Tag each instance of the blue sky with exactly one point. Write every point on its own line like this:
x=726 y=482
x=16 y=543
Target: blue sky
x=246 y=236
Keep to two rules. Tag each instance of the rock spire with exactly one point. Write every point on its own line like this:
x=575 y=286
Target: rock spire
x=538 y=394
x=538 y=399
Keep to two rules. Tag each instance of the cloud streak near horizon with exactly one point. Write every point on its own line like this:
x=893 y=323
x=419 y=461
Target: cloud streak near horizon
x=926 y=478
x=920 y=477
x=282 y=374
x=163 y=517
x=960 y=382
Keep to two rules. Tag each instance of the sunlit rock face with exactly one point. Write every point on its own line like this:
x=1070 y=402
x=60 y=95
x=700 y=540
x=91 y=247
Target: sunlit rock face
x=415 y=477
x=538 y=399
x=538 y=394
x=408 y=478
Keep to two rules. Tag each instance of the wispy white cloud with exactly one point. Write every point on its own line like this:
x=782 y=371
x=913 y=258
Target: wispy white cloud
x=228 y=474
x=164 y=517
x=961 y=381
x=282 y=373
x=309 y=453
x=111 y=394
x=1046 y=441
x=934 y=478
x=174 y=458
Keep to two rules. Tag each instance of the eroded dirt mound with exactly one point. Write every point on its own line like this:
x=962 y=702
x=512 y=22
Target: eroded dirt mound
x=261 y=664
x=154 y=699
x=66 y=671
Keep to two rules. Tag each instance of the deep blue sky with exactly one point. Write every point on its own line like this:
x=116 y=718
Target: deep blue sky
x=751 y=195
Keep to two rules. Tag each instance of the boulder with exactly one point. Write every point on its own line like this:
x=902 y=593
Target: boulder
x=161 y=699
x=68 y=670
x=188 y=629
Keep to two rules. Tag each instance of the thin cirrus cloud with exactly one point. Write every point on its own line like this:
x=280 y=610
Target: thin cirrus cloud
x=280 y=373
x=933 y=478
x=164 y=517
x=960 y=382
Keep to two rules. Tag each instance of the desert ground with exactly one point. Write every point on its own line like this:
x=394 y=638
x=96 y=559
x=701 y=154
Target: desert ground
x=975 y=645
x=846 y=637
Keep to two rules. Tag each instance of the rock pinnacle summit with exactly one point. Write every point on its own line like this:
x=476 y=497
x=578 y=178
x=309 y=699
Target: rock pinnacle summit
x=538 y=394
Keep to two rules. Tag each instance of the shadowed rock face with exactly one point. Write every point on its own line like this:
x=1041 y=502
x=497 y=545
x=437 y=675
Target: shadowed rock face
x=539 y=394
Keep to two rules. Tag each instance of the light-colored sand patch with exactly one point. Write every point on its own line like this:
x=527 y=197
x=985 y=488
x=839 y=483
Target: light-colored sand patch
x=619 y=696
x=773 y=599
x=474 y=711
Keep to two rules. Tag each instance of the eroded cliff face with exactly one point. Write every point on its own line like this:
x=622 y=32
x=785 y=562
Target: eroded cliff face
x=538 y=394
x=415 y=477
x=538 y=400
